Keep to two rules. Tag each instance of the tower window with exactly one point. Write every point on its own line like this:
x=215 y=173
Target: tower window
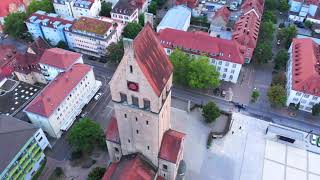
x=123 y=97
x=129 y=141
x=136 y=119
x=148 y=147
x=116 y=149
x=147 y=122
x=125 y=115
x=137 y=131
x=131 y=69
x=146 y=104
x=135 y=101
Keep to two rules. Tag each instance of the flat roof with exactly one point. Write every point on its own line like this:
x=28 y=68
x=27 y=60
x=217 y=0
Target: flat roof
x=176 y=17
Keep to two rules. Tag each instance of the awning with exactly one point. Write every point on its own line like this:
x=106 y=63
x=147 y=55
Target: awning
x=282 y=131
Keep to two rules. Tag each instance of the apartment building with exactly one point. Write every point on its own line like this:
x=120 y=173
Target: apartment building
x=77 y=8
x=304 y=8
x=125 y=12
x=225 y=55
x=22 y=145
x=49 y=26
x=92 y=36
x=303 y=74
x=58 y=104
x=139 y=132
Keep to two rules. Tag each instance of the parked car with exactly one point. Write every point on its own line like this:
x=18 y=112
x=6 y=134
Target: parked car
x=299 y=24
x=84 y=114
x=278 y=42
x=223 y=93
x=313 y=140
x=97 y=96
x=217 y=92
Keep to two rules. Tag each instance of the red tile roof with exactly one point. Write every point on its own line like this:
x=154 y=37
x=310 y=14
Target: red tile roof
x=26 y=63
x=190 y=3
x=112 y=132
x=199 y=42
x=152 y=59
x=39 y=45
x=59 y=58
x=222 y=12
x=53 y=94
x=8 y=55
x=92 y=25
x=247 y=30
x=132 y=167
x=51 y=19
x=257 y=5
x=306 y=66
x=160 y=178
x=8 y=6
x=308 y=2
x=172 y=142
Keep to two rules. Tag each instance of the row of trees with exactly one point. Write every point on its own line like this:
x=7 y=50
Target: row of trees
x=193 y=72
x=14 y=23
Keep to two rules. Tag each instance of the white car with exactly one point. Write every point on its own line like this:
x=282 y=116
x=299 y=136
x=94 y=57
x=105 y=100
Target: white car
x=313 y=140
x=97 y=97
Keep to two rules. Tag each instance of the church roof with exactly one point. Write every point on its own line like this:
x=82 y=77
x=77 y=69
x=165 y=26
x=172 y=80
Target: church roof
x=152 y=59
x=171 y=145
x=112 y=132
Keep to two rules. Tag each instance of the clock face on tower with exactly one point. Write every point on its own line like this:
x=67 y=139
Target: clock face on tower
x=133 y=86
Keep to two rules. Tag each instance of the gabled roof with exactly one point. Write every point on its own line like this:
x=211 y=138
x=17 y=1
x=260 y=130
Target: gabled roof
x=14 y=134
x=51 y=19
x=38 y=46
x=59 y=58
x=6 y=6
x=257 y=5
x=152 y=60
x=247 y=30
x=25 y=63
x=223 y=12
x=112 y=132
x=306 y=66
x=131 y=167
x=124 y=7
x=199 y=42
x=172 y=142
x=57 y=90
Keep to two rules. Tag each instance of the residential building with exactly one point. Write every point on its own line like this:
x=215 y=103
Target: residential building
x=22 y=145
x=225 y=55
x=7 y=58
x=48 y=26
x=141 y=92
x=92 y=36
x=304 y=8
x=246 y=32
x=11 y=6
x=177 y=17
x=189 y=3
x=77 y=8
x=125 y=12
x=303 y=74
x=220 y=18
x=55 y=108
x=256 y=5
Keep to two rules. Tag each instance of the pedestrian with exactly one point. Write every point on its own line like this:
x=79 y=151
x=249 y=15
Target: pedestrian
x=232 y=132
x=240 y=127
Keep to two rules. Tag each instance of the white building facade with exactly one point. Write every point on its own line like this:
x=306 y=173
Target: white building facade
x=63 y=100
x=125 y=12
x=77 y=8
x=303 y=75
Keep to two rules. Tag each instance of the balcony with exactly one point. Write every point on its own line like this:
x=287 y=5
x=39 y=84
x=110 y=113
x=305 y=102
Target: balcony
x=23 y=158
x=17 y=175
x=29 y=167
x=34 y=153
x=13 y=169
x=26 y=163
x=32 y=147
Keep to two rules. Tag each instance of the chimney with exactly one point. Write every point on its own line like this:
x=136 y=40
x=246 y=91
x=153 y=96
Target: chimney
x=148 y=18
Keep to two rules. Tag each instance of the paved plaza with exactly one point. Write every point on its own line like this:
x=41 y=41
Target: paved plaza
x=243 y=154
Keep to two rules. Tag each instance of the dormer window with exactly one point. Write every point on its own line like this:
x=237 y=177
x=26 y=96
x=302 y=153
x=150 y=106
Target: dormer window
x=131 y=69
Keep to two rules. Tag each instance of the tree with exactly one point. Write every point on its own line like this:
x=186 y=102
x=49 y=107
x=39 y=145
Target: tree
x=14 y=24
x=279 y=79
x=141 y=19
x=269 y=16
x=316 y=110
x=115 y=51
x=62 y=45
x=131 y=30
x=308 y=24
x=263 y=52
x=210 y=112
x=153 y=7
x=255 y=95
x=43 y=5
x=266 y=31
x=96 y=173
x=277 y=95
x=202 y=75
x=281 y=60
x=287 y=34
x=283 y=6
x=106 y=8
x=180 y=62
x=85 y=135
x=270 y=5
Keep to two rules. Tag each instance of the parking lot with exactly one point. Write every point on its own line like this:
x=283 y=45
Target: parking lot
x=17 y=97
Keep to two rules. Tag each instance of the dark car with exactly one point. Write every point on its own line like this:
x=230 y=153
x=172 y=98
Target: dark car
x=299 y=24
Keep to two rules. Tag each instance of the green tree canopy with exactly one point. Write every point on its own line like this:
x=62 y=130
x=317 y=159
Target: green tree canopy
x=255 y=95
x=210 y=112
x=279 y=79
x=269 y=16
x=308 y=24
x=283 y=5
x=281 y=59
x=106 y=8
x=43 y=5
x=85 y=135
x=115 y=52
x=287 y=34
x=14 y=24
x=271 y=5
x=193 y=72
x=266 y=31
x=131 y=30
x=277 y=95
x=316 y=109
x=141 y=19
x=263 y=52
x=62 y=45
x=153 y=7
x=96 y=173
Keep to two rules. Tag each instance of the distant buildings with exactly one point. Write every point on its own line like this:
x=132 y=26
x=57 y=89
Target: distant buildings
x=304 y=8
x=220 y=18
x=303 y=74
x=86 y=35
x=22 y=145
x=125 y=12
x=77 y=8
x=177 y=17
x=189 y=3
x=139 y=139
x=58 y=104
x=225 y=55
